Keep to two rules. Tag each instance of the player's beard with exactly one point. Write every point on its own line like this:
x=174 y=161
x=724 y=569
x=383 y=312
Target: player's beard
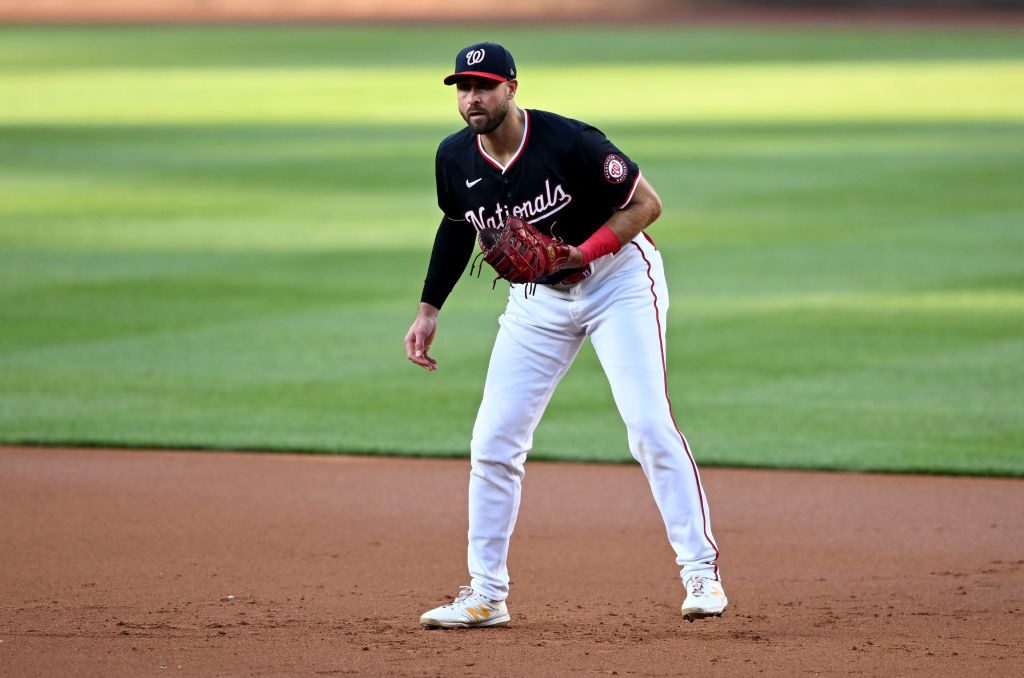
x=492 y=119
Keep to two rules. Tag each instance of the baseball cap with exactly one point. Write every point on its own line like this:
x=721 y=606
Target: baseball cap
x=484 y=60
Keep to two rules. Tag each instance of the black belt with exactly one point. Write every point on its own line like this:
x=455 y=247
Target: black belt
x=567 y=276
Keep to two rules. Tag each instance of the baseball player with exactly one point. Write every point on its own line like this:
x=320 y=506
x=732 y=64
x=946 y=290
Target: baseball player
x=569 y=181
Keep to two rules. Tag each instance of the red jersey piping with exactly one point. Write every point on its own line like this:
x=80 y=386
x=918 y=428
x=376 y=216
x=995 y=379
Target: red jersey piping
x=519 y=151
x=636 y=182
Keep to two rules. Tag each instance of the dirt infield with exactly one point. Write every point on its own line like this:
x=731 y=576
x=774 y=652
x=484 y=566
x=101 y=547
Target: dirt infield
x=591 y=11
x=129 y=563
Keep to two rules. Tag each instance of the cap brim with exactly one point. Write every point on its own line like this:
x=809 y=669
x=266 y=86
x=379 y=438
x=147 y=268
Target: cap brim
x=455 y=77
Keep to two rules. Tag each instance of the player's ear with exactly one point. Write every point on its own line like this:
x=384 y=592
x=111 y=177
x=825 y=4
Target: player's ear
x=510 y=89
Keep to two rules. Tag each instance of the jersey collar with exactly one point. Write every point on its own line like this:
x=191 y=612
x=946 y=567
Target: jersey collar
x=519 y=151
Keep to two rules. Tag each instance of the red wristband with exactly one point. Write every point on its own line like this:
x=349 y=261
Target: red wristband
x=604 y=241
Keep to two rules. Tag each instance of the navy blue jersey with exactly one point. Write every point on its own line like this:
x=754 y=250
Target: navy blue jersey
x=566 y=179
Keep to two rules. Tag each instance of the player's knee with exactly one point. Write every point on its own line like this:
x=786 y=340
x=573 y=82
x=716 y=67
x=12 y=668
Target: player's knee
x=645 y=427
x=652 y=438
x=496 y=450
x=496 y=470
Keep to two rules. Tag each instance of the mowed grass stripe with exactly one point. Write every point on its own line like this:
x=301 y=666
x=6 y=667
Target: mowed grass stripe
x=231 y=261
x=953 y=90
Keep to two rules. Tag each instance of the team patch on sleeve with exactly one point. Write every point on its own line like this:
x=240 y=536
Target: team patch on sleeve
x=615 y=169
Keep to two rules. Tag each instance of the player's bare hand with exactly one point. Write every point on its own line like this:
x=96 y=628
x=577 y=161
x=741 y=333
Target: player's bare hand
x=421 y=336
x=575 y=259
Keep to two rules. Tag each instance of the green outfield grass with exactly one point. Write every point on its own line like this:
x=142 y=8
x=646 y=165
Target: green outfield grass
x=216 y=237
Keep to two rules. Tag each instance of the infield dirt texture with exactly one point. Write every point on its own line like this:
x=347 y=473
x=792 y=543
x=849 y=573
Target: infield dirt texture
x=130 y=563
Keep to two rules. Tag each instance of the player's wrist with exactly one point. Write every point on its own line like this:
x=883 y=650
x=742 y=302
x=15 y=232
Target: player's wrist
x=603 y=241
x=575 y=258
x=427 y=310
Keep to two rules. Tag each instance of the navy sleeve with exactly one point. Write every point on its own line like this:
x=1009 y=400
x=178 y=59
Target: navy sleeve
x=609 y=171
x=445 y=200
x=453 y=245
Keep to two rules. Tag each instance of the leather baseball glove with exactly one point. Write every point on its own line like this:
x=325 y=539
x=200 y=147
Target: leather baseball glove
x=520 y=253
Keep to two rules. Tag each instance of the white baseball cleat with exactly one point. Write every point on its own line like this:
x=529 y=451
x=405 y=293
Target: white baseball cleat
x=704 y=598
x=469 y=610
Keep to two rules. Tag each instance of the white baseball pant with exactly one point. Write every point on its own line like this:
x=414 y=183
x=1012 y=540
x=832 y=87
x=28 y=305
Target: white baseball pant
x=622 y=308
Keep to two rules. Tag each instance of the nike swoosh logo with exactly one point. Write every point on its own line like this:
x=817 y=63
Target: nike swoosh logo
x=471 y=184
